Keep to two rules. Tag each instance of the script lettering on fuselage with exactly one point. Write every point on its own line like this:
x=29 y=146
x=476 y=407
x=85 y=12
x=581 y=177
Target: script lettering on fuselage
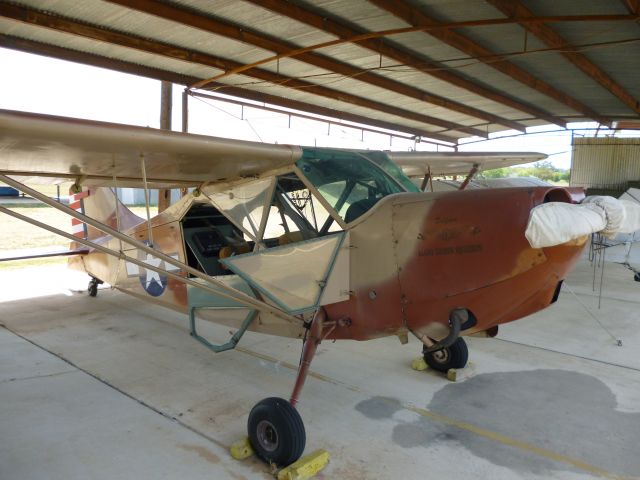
x=458 y=250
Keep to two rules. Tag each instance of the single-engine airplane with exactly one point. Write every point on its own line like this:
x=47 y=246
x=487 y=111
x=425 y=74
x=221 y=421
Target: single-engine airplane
x=309 y=243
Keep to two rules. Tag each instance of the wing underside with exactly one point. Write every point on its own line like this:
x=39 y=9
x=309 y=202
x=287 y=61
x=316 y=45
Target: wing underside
x=418 y=164
x=59 y=149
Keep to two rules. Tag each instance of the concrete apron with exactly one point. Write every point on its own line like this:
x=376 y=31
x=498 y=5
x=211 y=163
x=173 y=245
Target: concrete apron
x=552 y=397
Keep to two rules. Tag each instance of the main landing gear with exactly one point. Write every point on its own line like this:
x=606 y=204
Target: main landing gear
x=92 y=289
x=275 y=428
x=276 y=431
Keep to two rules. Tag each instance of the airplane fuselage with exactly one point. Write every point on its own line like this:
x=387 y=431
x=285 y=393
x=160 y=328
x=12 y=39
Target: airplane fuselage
x=413 y=258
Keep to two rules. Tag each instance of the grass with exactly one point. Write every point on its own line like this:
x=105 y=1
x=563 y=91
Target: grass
x=18 y=235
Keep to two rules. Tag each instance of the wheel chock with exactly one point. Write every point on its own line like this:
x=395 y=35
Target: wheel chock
x=419 y=364
x=241 y=449
x=306 y=467
x=452 y=374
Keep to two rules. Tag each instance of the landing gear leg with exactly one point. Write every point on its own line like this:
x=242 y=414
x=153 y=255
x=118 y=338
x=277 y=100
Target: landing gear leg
x=92 y=289
x=276 y=430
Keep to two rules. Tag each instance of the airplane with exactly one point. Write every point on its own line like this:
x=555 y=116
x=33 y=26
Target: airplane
x=302 y=242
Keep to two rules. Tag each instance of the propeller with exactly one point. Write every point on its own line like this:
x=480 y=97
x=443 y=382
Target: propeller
x=556 y=223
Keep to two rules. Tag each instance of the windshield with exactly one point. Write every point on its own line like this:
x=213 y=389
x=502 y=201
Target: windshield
x=353 y=182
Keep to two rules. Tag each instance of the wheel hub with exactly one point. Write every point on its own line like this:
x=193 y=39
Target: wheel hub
x=441 y=356
x=267 y=435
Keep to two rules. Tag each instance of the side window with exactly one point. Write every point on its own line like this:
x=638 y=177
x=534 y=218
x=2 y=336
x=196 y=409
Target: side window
x=296 y=214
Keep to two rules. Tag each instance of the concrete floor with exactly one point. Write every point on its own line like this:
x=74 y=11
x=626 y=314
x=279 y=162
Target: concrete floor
x=110 y=387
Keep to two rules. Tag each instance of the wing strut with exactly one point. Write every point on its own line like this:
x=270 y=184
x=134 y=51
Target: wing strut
x=227 y=292
x=472 y=173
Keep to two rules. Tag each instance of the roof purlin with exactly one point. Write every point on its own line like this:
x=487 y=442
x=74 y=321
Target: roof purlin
x=243 y=34
x=39 y=48
x=405 y=57
x=549 y=36
x=58 y=23
x=414 y=16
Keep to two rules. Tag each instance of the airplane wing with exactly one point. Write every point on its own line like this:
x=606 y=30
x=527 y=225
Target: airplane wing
x=418 y=164
x=64 y=149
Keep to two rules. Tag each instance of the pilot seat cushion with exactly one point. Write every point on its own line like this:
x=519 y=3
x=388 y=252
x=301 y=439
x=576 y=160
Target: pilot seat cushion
x=229 y=250
x=291 y=237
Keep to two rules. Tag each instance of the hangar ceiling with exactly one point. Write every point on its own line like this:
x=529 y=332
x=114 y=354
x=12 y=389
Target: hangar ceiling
x=435 y=69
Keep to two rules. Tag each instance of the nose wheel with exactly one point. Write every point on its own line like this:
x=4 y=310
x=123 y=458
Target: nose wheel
x=276 y=431
x=454 y=356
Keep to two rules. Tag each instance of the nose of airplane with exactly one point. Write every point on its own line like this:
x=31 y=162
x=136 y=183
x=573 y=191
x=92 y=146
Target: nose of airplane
x=468 y=249
x=415 y=258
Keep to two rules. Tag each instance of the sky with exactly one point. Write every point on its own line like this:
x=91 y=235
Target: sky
x=45 y=85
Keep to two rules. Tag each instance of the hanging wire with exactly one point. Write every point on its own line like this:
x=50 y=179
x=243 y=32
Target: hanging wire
x=618 y=341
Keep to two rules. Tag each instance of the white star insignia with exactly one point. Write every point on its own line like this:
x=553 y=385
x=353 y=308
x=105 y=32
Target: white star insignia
x=151 y=274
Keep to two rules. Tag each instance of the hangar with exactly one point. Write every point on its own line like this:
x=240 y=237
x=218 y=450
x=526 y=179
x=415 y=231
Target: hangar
x=435 y=72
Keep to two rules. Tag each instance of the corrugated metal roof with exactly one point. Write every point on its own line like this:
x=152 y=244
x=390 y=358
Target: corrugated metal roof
x=437 y=83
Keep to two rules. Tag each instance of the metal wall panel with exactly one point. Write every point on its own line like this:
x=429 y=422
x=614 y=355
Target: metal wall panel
x=605 y=162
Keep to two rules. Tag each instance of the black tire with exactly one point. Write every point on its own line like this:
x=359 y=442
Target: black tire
x=276 y=431
x=636 y=276
x=92 y=289
x=454 y=356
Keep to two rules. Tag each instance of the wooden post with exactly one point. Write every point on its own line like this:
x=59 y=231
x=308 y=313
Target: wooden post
x=164 y=195
x=185 y=126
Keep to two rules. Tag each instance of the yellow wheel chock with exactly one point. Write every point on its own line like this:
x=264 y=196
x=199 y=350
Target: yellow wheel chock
x=306 y=467
x=303 y=469
x=419 y=364
x=241 y=449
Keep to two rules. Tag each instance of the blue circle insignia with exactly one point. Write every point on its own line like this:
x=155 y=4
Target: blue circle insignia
x=153 y=283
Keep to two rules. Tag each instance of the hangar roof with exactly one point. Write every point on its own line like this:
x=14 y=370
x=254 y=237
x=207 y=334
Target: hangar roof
x=436 y=69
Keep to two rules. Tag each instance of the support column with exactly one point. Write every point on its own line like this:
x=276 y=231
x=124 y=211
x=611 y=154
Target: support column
x=164 y=195
x=185 y=126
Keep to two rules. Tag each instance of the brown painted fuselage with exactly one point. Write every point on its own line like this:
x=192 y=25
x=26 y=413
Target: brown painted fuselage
x=462 y=249
x=413 y=258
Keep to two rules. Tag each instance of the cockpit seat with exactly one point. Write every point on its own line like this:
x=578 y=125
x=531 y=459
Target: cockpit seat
x=238 y=249
x=290 y=237
x=359 y=208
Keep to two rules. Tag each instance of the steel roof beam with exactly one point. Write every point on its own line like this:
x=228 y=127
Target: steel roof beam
x=633 y=6
x=513 y=8
x=252 y=37
x=414 y=16
x=30 y=46
x=406 y=57
x=67 y=25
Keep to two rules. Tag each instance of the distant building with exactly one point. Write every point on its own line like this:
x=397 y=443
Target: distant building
x=605 y=165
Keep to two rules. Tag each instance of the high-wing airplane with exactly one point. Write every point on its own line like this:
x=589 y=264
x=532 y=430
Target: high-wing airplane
x=308 y=243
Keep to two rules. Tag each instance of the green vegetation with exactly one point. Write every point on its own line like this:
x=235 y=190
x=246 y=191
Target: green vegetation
x=543 y=170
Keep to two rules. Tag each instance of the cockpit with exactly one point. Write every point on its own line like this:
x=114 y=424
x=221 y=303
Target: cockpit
x=321 y=194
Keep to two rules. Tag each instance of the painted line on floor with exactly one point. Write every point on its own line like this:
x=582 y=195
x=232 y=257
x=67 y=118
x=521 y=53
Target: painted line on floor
x=512 y=442
x=488 y=434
